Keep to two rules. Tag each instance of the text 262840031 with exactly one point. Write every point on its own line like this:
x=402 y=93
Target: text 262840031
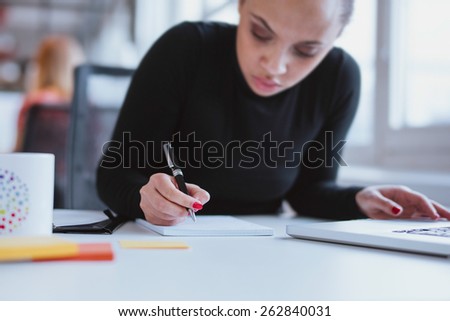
x=297 y=311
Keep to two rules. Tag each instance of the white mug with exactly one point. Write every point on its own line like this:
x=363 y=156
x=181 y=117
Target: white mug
x=26 y=193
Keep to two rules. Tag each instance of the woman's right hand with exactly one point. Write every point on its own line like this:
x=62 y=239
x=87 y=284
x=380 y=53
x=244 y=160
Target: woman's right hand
x=164 y=204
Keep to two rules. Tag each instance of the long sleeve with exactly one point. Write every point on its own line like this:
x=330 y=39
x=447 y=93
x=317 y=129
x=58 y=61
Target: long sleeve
x=315 y=192
x=149 y=116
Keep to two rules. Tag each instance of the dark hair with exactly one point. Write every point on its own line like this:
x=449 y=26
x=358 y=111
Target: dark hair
x=347 y=11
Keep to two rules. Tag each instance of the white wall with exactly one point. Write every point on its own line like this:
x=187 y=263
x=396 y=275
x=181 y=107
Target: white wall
x=10 y=103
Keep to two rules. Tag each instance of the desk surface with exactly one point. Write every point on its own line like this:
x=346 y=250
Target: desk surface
x=228 y=268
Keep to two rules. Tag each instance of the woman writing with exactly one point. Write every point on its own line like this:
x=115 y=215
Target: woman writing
x=256 y=112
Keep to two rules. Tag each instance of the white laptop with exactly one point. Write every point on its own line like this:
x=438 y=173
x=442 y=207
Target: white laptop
x=417 y=236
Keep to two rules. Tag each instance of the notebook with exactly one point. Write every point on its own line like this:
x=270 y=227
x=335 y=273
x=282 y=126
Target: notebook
x=217 y=225
x=416 y=236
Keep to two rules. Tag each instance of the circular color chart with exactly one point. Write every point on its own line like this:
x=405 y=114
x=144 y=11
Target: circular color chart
x=14 y=201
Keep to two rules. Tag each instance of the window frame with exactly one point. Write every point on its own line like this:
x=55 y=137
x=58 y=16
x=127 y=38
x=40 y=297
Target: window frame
x=406 y=147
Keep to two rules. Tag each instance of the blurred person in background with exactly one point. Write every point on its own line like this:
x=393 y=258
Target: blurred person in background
x=52 y=79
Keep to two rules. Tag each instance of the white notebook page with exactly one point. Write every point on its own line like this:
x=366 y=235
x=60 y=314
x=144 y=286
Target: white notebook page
x=212 y=225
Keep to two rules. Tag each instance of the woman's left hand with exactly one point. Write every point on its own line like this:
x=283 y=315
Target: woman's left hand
x=389 y=202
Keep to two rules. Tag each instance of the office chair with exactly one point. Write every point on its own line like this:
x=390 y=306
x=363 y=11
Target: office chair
x=46 y=131
x=98 y=96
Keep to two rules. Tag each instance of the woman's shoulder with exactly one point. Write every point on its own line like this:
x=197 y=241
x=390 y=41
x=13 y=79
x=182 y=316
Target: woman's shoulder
x=204 y=28
x=209 y=32
x=196 y=39
x=341 y=62
x=337 y=68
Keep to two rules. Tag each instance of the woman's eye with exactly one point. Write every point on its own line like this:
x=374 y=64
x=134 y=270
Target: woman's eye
x=260 y=34
x=305 y=54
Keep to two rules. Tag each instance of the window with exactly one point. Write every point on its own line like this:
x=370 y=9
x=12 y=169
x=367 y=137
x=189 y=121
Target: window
x=404 y=115
x=423 y=64
x=412 y=90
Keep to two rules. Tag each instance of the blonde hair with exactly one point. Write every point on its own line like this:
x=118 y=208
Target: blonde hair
x=55 y=60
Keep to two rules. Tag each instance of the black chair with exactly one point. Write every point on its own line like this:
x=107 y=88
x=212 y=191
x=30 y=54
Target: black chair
x=98 y=97
x=46 y=131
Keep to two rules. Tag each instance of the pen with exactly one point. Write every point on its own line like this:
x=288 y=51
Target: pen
x=178 y=174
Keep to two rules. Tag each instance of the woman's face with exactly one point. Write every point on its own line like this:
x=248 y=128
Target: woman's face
x=280 y=42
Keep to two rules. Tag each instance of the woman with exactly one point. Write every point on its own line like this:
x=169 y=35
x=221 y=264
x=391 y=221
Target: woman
x=52 y=80
x=256 y=112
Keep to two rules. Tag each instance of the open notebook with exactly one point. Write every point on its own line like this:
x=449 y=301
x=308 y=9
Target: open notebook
x=217 y=225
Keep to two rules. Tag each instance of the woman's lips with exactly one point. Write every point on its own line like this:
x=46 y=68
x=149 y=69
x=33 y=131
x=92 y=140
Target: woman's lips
x=264 y=84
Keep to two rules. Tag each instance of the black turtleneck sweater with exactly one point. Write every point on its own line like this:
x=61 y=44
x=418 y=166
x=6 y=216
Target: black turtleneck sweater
x=249 y=152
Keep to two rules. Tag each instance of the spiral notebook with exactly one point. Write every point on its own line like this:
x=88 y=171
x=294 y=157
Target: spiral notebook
x=217 y=225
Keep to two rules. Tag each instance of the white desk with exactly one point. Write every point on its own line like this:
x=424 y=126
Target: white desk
x=231 y=268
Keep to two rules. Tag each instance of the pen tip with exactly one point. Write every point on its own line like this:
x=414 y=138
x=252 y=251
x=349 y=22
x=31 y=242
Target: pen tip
x=192 y=215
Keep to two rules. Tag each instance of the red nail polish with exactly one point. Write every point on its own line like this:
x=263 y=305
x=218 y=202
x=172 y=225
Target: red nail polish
x=395 y=210
x=197 y=206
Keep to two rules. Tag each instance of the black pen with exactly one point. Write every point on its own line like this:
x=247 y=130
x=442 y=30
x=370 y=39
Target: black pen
x=178 y=174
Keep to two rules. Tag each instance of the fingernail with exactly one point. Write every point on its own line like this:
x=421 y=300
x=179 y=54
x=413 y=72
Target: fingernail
x=197 y=206
x=395 y=210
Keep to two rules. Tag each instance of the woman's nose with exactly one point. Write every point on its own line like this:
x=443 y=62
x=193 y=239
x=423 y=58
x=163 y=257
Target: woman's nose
x=275 y=62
